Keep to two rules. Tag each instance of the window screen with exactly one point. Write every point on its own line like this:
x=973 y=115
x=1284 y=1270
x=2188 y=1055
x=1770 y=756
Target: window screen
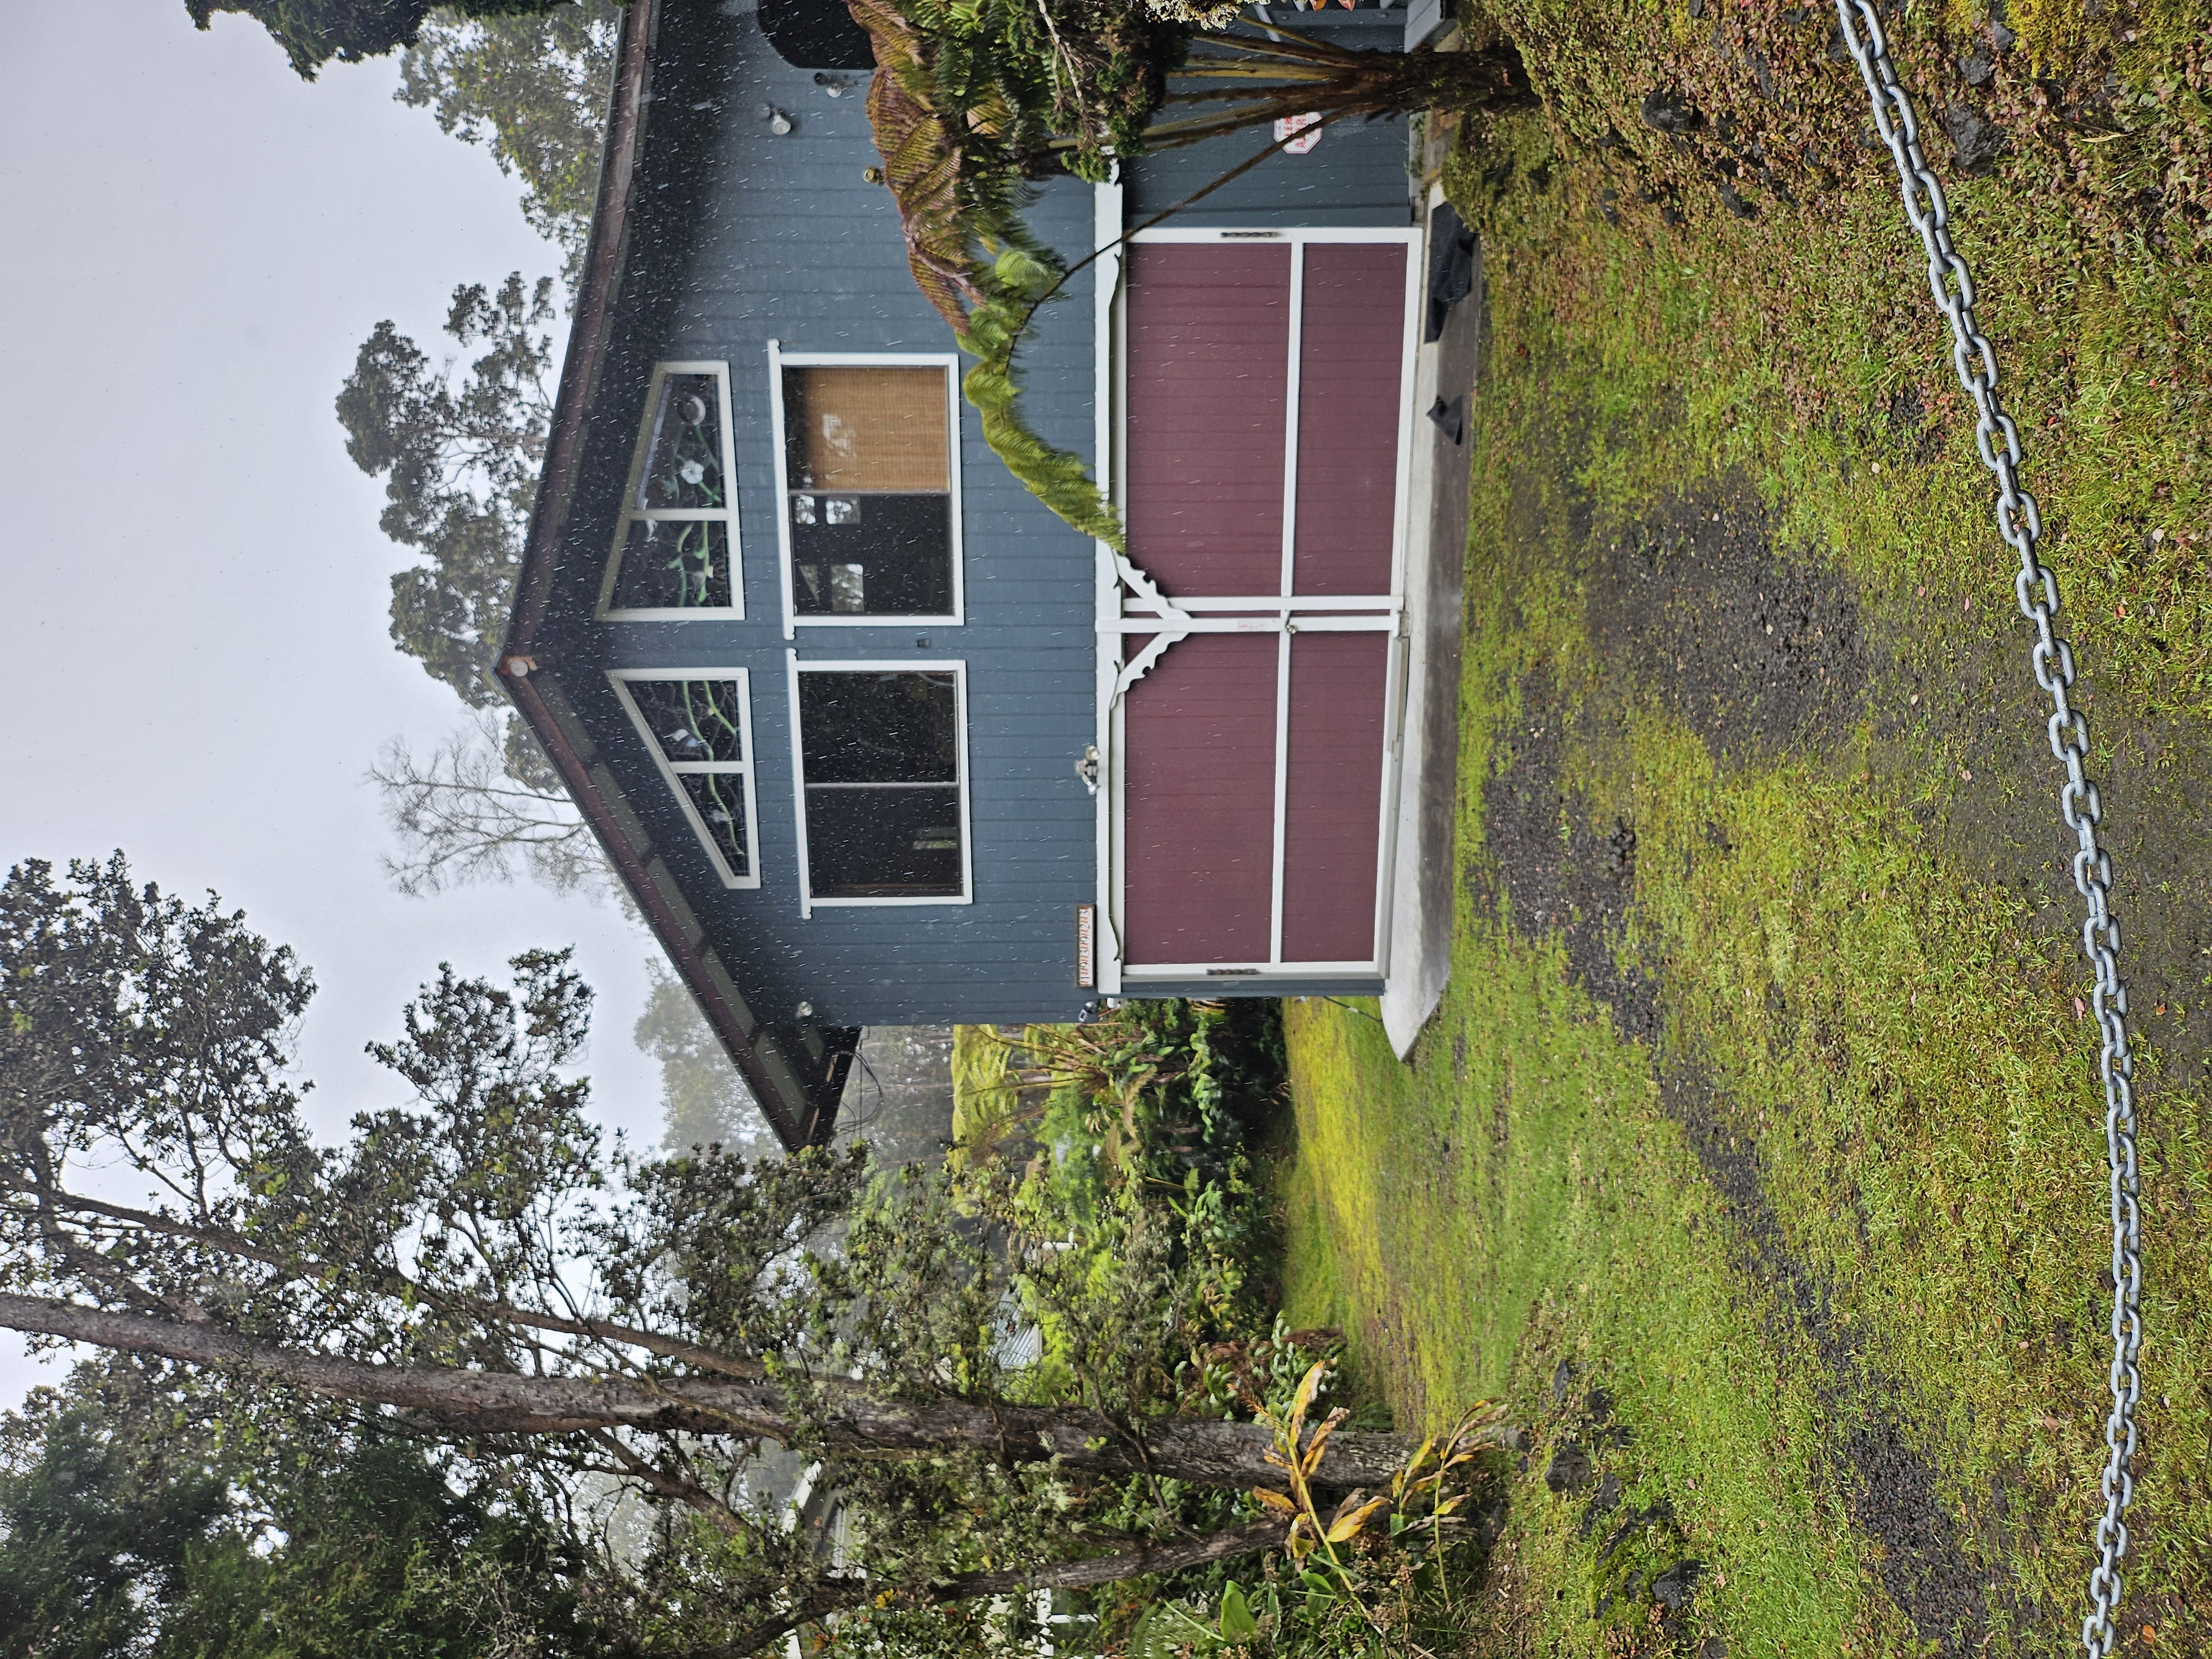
x=677 y=540
x=699 y=728
x=868 y=459
x=881 y=757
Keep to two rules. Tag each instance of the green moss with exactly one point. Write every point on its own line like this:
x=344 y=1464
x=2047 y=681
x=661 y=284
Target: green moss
x=1856 y=940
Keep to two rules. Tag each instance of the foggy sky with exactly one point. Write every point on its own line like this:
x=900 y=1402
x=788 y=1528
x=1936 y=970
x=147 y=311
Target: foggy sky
x=194 y=665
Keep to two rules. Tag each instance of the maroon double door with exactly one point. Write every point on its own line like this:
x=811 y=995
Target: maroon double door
x=1265 y=406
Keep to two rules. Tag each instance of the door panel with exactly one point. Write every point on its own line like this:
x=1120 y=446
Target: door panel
x=1350 y=351
x=1332 y=795
x=1209 y=387
x=1200 y=802
x=1229 y=730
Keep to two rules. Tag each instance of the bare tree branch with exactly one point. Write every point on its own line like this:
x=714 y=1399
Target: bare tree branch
x=308 y=1270
x=462 y=817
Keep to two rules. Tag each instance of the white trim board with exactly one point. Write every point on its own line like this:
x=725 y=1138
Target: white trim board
x=1108 y=209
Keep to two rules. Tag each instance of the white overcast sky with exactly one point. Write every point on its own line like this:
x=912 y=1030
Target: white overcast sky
x=194 y=665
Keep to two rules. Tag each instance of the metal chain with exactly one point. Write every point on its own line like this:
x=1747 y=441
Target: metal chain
x=1998 y=440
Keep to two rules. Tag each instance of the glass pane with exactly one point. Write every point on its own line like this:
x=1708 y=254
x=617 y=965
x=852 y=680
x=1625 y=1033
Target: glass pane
x=692 y=720
x=683 y=446
x=902 y=545
x=883 y=843
x=839 y=587
x=674 y=564
x=867 y=428
x=879 y=728
x=720 y=798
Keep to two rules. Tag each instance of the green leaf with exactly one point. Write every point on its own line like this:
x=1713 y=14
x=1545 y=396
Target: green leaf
x=1237 y=1620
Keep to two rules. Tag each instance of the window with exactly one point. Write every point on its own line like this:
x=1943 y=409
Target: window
x=698 y=723
x=871 y=490
x=883 y=808
x=675 y=554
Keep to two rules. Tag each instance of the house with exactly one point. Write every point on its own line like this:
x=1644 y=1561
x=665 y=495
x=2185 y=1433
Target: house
x=870 y=735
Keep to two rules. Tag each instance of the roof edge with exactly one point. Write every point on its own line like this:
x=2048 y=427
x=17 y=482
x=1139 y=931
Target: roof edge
x=588 y=335
x=800 y=1111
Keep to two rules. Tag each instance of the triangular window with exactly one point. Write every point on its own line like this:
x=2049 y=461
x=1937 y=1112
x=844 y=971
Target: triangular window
x=697 y=724
x=676 y=549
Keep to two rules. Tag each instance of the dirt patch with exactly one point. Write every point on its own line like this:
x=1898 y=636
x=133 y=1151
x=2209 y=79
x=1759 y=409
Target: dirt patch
x=1981 y=713
x=1889 y=1490
x=1558 y=872
x=1693 y=610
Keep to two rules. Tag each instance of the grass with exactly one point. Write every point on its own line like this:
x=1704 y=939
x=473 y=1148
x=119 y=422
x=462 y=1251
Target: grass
x=1828 y=1237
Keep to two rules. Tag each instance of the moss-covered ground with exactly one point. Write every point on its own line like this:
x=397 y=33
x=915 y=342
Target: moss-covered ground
x=1756 y=1154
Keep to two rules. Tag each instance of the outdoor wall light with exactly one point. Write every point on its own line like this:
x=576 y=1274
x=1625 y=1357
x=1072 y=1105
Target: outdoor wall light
x=835 y=85
x=779 y=122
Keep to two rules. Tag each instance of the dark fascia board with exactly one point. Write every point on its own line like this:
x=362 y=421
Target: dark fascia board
x=800 y=1100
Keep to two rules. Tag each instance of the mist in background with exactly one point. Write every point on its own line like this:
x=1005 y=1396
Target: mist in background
x=194 y=665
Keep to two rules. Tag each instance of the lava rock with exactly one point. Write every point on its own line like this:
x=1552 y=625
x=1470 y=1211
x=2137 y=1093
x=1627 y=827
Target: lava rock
x=1563 y=1378
x=1671 y=1588
x=1667 y=111
x=1606 y=1500
x=1975 y=68
x=1490 y=1525
x=1570 y=1468
x=1974 y=141
x=1598 y=1403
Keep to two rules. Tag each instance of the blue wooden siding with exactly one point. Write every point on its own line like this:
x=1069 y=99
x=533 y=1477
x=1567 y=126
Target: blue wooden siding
x=744 y=236
x=741 y=236
x=1355 y=176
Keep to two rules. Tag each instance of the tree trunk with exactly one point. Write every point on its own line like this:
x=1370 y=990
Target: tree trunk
x=1228 y=1543
x=1201 y=1450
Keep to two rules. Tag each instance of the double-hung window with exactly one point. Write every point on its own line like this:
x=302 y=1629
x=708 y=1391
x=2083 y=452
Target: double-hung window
x=698 y=724
x=882 y=798
x=676 y=550
x=869 y=450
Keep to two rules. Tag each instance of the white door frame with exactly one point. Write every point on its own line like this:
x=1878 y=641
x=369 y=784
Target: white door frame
x=1128 y=602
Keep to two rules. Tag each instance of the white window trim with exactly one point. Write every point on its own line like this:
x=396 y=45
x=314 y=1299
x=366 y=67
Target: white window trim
x=778 y=361
x=794 y=668
x=672 y=771
x=630 y=514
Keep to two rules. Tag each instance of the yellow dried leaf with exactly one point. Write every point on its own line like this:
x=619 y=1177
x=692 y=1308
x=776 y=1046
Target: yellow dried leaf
x=1321 y=1438
x=1348 y=1525
x=1275 y=1501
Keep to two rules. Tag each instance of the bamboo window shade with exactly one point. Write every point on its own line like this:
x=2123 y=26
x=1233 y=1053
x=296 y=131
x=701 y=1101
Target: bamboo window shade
x=871 y=428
